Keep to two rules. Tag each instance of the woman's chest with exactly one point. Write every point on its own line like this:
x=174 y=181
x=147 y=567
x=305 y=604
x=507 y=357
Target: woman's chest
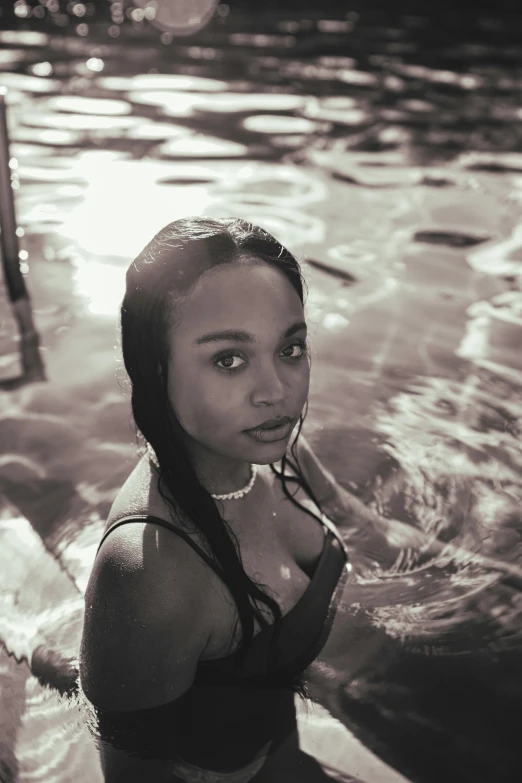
x=280 y=546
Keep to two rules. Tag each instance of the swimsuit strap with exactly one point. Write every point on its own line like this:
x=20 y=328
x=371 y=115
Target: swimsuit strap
x=335 y=532
x=327 y=523
x=319 y=514
x=162 y=523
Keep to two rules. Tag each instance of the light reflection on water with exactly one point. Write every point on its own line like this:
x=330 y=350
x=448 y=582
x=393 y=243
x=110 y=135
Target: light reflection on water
x=404 y=177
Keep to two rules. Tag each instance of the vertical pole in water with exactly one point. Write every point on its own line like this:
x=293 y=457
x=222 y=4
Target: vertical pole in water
x=33 y=369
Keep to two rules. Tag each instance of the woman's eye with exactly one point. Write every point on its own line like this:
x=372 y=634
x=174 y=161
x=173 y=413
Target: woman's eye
x=302 y=348
x=229 y=358
x=226 y=361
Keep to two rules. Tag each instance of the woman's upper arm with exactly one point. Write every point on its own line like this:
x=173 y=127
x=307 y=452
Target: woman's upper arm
x=145 y=621
x=323 y=483
x=339 y=505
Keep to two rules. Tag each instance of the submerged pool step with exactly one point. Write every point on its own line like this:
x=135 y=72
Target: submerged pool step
x=343 y=756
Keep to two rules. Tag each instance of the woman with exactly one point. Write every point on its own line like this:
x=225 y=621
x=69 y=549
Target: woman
x=210 y=591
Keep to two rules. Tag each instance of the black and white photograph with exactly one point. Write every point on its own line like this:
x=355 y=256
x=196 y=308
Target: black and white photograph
x=260 y=391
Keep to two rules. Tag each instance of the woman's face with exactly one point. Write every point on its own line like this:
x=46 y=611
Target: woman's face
x=222 y=386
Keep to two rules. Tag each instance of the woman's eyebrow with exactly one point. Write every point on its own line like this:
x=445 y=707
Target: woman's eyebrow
x=240 y=336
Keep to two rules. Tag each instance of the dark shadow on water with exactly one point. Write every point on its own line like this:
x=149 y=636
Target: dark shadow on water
x=441 y=718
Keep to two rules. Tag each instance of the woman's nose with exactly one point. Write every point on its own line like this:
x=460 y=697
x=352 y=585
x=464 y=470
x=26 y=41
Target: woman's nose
x=269 y=386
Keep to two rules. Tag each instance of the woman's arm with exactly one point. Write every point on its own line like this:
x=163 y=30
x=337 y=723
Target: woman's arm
x=377 y=541
x=145 y=629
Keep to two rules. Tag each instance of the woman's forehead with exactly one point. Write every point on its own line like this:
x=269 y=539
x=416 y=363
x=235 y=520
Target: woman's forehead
x=233 y=295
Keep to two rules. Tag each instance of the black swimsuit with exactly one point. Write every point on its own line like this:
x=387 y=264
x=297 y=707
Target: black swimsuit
x=231 y=711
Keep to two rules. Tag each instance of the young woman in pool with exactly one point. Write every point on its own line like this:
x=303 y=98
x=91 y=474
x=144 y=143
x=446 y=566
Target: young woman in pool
x=212 y=588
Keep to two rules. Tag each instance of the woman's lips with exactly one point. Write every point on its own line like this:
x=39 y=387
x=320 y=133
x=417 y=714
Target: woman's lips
x=273 y=434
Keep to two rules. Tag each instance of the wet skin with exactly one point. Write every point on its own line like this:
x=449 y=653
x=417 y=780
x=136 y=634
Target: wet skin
x=220 y=388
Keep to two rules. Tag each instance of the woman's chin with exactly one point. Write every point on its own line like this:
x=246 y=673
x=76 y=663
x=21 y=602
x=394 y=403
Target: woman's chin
x=269 y=453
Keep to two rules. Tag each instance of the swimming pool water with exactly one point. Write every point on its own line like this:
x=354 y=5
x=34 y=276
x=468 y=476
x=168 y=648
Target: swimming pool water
x=385 y=154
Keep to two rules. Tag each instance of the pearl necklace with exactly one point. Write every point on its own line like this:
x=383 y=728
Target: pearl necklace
x=230 y=495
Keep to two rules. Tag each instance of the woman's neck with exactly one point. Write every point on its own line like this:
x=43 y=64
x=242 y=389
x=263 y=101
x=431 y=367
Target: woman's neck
x=221 y=476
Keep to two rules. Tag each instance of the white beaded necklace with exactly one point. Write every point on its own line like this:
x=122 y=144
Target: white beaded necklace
x=230 y=495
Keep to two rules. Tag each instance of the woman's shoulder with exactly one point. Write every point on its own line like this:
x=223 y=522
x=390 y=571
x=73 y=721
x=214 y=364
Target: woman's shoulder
x=141 y=643
x=144 y=587
x=138 y=495
x=142 y=543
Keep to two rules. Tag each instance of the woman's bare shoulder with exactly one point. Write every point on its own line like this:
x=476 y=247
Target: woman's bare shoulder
x=138 y=495
x=144 y=593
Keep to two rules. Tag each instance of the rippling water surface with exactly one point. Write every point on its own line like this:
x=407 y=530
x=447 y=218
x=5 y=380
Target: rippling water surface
x=385 y=152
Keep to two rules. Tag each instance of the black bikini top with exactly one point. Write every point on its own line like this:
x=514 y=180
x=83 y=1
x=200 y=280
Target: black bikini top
x=303 y=627
x=245 y=700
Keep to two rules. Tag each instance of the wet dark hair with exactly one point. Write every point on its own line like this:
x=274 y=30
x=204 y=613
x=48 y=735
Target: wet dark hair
x=158 y=278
